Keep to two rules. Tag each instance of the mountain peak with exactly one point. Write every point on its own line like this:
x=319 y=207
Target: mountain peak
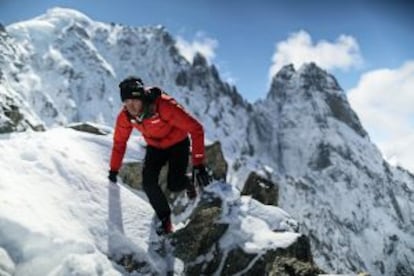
x=54 y=19
x=65 y=14
x=314 y=77
x=309 y=84
x=46 y=27
x=285 y=72
x=309 y=67
x=199 y=60
x=280 y=80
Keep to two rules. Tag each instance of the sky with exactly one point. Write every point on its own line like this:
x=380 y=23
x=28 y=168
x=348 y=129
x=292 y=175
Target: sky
x=367 y=45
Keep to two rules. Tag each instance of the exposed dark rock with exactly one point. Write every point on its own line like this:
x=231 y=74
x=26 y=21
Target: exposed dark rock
x=321 y=158
x=197 y=245
x=87 y=127
x=132 y=264
x=293 y=260
x=279 y=82
x=181 y=79
x=342 y=111
x=283 y=266
x=131 y=174
x=78 y=30
x=13 y=113
x=216 y=162
x=316 y=79
x=203 y=231
x=261 y=189
x=199 y=60
x=16 y=120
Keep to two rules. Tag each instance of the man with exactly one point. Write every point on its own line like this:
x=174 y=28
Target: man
x=165 y=126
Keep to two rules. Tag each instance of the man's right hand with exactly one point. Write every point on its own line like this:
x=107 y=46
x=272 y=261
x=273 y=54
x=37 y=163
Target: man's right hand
x=113 y=176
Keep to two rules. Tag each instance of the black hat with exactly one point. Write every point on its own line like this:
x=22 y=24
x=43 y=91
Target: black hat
x=132 y=88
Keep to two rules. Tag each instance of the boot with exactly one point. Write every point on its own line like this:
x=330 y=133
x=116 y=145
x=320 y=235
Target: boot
x=165 y=227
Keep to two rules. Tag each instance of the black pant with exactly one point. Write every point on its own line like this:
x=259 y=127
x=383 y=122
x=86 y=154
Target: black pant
x=177 y=158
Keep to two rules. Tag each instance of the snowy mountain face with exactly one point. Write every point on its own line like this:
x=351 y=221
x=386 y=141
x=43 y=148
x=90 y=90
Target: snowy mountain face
x=15 y=113
x=357 y=210
x=74 y=66
x=62 y=67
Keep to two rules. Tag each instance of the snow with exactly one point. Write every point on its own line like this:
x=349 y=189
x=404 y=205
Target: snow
x=60 y=216
x=73 y=77
x=58 y=213
x=253 y=226
x=6 y=264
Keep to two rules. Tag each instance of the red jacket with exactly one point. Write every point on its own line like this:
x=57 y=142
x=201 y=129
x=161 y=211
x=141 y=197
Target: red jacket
x=169 y=125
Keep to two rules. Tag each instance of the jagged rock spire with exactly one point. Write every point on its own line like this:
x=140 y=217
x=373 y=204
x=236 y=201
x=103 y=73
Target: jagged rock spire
x=199 y=60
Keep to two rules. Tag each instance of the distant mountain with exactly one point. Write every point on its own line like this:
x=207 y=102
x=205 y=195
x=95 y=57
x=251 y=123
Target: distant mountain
x=324 y=160
x=63 y=67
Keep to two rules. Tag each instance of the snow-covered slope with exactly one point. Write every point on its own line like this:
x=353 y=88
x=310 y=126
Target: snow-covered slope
x=357 y=209
x=60 y=216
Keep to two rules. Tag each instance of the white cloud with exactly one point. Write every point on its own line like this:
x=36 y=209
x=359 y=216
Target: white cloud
x=384 y=101
x=201 y=43
x=299 y=48
x=400 y=152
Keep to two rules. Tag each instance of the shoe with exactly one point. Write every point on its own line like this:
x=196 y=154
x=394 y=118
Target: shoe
x=191 y=191
x=165 y=227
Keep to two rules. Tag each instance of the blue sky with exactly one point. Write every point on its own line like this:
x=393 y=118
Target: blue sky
x=367 y=45
x=241 y=36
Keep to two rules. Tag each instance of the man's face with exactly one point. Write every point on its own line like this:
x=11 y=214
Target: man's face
x=134 y=106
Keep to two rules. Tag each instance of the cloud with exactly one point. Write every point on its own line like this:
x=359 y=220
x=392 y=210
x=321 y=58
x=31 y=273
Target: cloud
x=298 y=48
x=201 y=43
x=384 y=100
x=400 y=152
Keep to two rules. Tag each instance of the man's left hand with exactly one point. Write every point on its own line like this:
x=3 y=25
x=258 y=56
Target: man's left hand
x=200 y=175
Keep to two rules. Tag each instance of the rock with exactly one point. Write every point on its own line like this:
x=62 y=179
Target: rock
x=198 y=246
x=12 y=112
x=216 y=162
x=88 y=127
x=131 y=172
x=199 y=60
x=13 y=119
x=293 y=260
x=202 y=232
x=261 y=189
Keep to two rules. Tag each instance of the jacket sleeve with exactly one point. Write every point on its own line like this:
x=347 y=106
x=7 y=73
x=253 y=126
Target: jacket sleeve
x=175 y=115
x=123 y=129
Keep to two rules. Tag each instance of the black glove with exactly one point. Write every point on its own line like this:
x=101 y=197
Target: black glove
x=112 y=176
x=200 y=175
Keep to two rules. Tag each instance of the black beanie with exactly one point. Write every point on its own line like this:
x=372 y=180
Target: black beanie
x=132 y=88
